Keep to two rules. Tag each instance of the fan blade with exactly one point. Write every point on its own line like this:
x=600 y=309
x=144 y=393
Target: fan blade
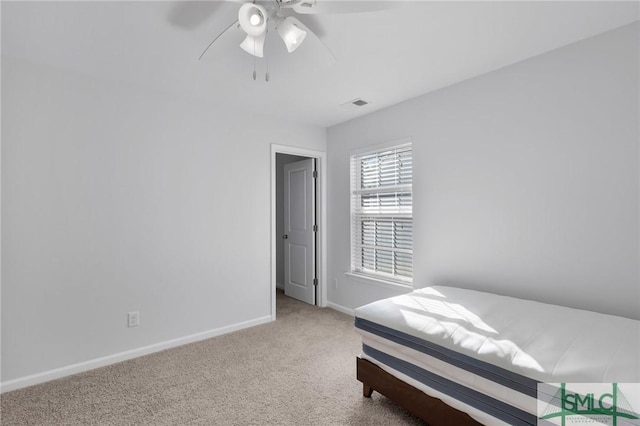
x=328 y=7
x=190 y=14
x=314 y=35
x=219 y=35
x=313 y=23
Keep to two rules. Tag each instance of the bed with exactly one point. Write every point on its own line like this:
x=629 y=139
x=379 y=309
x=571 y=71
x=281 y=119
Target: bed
x=458 y=357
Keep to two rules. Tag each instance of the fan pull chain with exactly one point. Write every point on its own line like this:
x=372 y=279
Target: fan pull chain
x=254 y=59
x=266 y=75
x=266 y=57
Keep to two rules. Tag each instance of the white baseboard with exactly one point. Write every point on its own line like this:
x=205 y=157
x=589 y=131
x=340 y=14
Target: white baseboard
x=341 y=308
x=280 y=286
x=68 y=370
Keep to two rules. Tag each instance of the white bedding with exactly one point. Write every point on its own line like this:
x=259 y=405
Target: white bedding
x=544 y=342
x=424 y=332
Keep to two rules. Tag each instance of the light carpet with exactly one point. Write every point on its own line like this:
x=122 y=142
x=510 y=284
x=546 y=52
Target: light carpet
x=298 y=370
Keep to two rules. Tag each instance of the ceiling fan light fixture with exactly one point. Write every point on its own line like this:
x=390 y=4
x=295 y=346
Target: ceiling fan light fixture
x=290 y=33
x=254 y=45
x=256 y=18
x=253 y=19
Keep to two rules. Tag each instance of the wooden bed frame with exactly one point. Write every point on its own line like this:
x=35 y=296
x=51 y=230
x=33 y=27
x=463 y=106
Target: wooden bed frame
x=431 y=410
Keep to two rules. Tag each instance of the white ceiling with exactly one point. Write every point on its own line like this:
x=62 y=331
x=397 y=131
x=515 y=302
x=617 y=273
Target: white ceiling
x=384 y=57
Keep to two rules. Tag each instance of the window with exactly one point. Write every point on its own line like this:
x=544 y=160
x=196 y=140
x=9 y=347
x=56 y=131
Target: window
x=382 y=214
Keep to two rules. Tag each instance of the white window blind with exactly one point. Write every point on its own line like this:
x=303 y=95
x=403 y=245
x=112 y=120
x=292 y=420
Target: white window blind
x=382 y=213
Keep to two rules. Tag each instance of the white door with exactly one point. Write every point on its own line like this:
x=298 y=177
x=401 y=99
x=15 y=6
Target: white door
x=299 y=234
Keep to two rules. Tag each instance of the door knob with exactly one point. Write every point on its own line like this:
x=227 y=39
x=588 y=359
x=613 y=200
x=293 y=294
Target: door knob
x=285 y=236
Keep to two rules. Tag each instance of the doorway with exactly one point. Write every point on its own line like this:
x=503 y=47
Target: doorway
x=295 y=239
x=296 y=261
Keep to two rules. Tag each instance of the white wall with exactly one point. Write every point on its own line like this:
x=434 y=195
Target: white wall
x=525 y=182
x=116 y=199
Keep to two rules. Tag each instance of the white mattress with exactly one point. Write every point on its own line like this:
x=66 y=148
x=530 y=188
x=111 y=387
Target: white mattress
x=544 y=342
x=438 y=367
x=541 y=342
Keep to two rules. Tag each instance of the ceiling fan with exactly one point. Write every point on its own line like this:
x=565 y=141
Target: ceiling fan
x=256 y=18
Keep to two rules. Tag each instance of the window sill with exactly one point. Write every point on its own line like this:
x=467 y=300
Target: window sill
x=379 y=281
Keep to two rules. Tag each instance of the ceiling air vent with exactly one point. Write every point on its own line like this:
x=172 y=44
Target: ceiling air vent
x=355 y=104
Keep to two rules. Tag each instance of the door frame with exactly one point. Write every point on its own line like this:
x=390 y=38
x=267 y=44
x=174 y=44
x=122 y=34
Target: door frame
x=321 y=209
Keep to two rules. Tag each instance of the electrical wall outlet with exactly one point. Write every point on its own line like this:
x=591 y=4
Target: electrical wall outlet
x=133 y=319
